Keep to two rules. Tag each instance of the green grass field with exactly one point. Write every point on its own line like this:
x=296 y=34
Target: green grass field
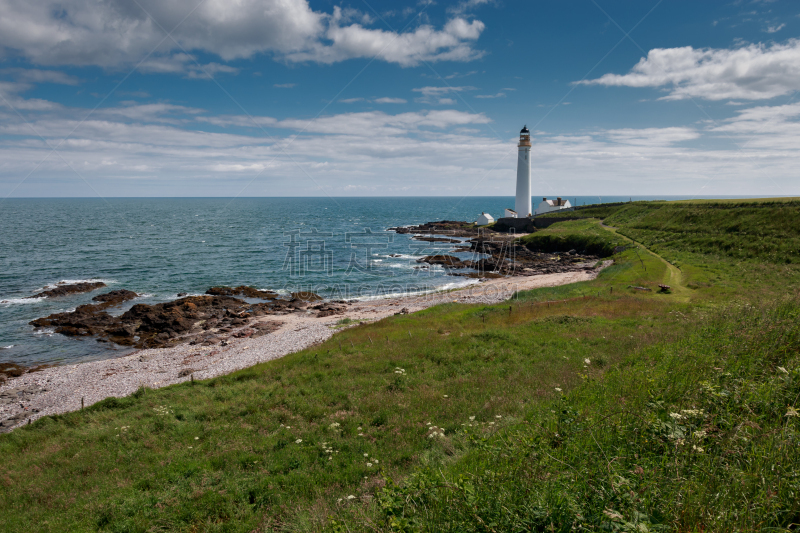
x=586 y=407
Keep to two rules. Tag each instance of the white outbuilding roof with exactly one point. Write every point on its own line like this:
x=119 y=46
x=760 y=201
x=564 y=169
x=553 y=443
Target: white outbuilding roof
x=484 y=219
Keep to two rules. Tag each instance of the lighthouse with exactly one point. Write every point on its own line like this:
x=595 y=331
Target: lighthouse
x=523 y=203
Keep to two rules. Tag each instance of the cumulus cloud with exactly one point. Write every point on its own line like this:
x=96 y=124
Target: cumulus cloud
x=453 y=43
x=117 y=33
x=750 y=72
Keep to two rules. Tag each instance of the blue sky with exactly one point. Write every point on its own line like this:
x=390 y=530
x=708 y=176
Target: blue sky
x=298 y=98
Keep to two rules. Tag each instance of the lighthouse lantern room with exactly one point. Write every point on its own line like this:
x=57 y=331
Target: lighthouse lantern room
x=523 y=202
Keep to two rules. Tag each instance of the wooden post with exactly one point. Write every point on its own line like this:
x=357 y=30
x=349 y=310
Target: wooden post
x=81 y=403
x=192 y=376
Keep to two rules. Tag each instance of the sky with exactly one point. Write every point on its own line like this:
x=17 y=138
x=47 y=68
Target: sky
x=398 y=98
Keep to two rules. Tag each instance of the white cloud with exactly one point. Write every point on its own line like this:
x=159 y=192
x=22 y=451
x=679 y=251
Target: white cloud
x=775 y=29
x=32 y=75
x=468 y=5
x=750 y=72
x=118 y=33
x=497 y=95
x=452 y=43
x=436 y=95
x=384 y=100
x=185 y=64
x=389 y=100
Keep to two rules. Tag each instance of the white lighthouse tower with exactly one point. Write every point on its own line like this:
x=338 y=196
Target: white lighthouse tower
x=523 y=203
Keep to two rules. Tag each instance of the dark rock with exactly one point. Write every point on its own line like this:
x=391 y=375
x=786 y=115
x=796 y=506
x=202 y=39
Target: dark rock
x=115 y=297
x=67 y=289
x=453 y=228
x=306 y=296
x=447 y=261
x=143 y=326
x=435 y=239
x=181 y=294
x=263 y=328
x=248 y=292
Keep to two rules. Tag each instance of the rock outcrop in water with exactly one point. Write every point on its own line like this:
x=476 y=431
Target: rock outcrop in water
x=247 y=292
x=65 y=289
x=207 y=319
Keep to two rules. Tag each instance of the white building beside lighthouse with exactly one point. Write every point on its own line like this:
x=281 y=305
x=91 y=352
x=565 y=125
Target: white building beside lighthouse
x=522 y=206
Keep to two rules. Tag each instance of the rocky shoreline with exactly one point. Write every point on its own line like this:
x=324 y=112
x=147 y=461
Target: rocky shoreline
x=65 y=388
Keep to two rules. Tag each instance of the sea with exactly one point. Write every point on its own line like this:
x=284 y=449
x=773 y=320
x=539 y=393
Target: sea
x=163 y=247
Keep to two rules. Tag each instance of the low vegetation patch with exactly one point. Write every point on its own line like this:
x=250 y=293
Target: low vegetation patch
x=584 y=237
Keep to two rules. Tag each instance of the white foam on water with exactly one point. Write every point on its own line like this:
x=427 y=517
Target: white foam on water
x=6 y=347
x=420 y=292
x=12 y=301
x=45 y=331
x=74 y=281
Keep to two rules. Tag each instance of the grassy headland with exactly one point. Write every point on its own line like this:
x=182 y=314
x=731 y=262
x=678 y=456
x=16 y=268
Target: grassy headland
x=593 y=406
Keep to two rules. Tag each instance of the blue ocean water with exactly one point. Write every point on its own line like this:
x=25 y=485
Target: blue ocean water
x=160 y=247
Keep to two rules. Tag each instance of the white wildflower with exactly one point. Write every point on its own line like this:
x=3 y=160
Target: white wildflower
x=791 y=411
x=471 y=418
x=298 y=441
x=369 y=465
x=587 y=361
x=334 y=425
x=498 y=416
x=699 y=434
x=351 y=497
x=676 y=416
x=366 y=455
x=197 y=438
x=698 y=449
x=446 y=396
x=558 y=389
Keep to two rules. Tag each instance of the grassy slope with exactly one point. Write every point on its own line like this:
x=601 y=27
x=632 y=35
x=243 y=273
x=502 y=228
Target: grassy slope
x=223 y=455
x=743 y=230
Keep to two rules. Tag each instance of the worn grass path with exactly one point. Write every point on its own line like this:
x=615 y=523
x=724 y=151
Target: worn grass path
x=674 y=278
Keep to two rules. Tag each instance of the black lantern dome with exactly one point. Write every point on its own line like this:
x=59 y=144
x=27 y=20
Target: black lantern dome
x=524 y=130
